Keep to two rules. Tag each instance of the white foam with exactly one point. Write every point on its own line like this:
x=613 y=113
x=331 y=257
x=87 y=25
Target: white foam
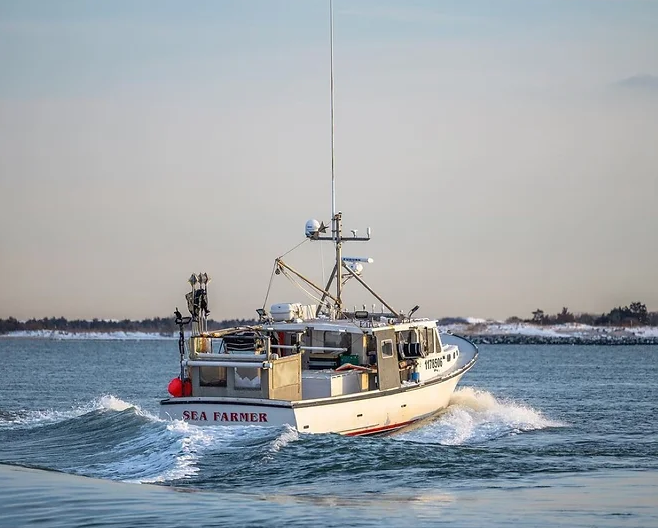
x=149 y=457
x=112 y=403
x=476 y=416
x=37 y=418
x=189 y=442
x=150 y=466
x=289 y=435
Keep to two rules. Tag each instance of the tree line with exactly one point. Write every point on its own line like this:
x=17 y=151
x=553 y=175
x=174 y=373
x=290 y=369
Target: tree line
x=155 y=325
x=635 y=314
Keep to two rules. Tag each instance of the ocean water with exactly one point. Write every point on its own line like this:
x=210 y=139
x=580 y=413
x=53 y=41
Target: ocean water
x=534 y=436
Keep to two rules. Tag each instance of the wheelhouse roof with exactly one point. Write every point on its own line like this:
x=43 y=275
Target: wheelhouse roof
x=353 y=326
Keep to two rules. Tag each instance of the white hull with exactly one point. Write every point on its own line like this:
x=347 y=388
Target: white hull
x=358 y=414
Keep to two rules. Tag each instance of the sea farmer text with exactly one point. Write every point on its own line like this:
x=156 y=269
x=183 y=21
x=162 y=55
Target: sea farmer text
x=225 y=417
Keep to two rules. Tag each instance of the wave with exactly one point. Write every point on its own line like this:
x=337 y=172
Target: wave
x=41 y=417
x=107 y=438
x=283 y=439
x=114 y=439
x=475 y=416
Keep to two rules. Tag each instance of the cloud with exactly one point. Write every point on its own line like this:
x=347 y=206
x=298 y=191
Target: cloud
x=642 y=81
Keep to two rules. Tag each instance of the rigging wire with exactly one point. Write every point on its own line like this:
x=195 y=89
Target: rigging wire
x=293 y=249
x=269 y=286
x=287 y=275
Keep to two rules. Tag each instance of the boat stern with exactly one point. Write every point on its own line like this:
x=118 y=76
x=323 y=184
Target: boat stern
x=226 y=412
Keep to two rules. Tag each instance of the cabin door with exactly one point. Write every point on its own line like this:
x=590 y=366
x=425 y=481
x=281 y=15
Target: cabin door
x=388 y=371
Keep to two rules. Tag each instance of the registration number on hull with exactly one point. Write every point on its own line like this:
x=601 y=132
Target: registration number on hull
x=433 y=363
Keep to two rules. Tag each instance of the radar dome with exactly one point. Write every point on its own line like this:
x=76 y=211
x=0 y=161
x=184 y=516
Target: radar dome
x=356 y=267
x=312 y=228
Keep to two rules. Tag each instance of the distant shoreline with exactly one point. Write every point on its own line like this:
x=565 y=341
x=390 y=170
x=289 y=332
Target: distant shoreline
x=558 y=334
x=479 y=333
x=544 y=340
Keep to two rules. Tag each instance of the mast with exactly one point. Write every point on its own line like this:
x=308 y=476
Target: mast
x=314 y=229
x=335 y=218
x=331 y=89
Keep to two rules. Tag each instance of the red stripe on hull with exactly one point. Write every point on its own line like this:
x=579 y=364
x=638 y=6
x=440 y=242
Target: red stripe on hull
x=379 y=429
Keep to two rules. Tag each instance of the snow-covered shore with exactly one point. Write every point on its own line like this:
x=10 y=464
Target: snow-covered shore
x=61 y=335
x=526 y=333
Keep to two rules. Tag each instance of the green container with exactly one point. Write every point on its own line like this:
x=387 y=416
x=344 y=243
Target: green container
x=347 y=358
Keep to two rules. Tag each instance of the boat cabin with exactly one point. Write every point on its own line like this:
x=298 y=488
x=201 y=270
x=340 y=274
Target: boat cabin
x=316 y=358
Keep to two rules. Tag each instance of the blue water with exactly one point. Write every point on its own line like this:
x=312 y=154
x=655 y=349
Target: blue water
x=535 y=436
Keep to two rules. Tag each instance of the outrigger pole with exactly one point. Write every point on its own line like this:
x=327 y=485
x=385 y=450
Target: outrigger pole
x=363 y=283
x=308 y=281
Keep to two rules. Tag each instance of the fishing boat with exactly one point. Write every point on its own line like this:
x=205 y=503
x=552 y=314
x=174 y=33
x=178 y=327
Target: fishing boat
x=320 y=367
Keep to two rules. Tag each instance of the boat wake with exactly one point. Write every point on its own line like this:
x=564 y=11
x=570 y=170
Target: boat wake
x=288 y=435
x=38 y=418
x=113 y=439
x=476 y=416
x=105 y=438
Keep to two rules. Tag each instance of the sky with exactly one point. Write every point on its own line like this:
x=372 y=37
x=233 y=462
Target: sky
x=504 y=153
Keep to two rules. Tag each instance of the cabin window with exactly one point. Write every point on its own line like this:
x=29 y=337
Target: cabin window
x=387 y=348
x=403 y=336
x=247 y=378
x=212 y=376
x=411 y=343
x=436 y=340
x=337 y=340
x=422 y=338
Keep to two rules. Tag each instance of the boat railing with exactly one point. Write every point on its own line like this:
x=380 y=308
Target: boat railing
x=201 y=348
x=235 y=364
x=312 y=348
x=230 y=357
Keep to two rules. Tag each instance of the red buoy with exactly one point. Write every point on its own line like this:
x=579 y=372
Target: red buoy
x=175 y=388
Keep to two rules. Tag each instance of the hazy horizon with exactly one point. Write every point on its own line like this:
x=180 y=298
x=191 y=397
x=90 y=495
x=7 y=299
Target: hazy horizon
x=503 y=153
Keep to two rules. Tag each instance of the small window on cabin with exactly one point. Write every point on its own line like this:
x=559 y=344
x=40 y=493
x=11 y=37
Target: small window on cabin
x=247 y=378
x=448 y=357
x=212 y=376
x=422 y=338
x=430 y=340
x=337 y=340
x=387 y=348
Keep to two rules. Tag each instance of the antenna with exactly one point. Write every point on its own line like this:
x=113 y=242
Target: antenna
x=331 y=87
x=314 y=229
x=335 y=218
